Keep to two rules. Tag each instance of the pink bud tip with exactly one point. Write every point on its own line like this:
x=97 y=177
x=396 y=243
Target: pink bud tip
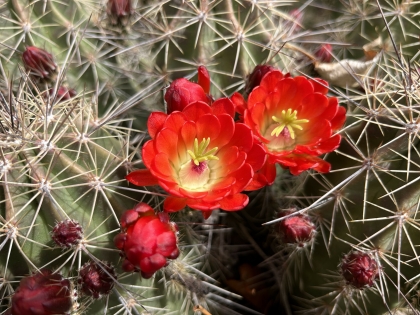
x=204 y=79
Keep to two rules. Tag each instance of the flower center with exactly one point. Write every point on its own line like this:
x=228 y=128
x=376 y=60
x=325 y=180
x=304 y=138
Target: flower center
x=288 y=120
x=199 y=154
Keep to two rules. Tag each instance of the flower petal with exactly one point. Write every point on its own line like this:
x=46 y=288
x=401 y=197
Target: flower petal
x=265 y=176
x=239 y=102
x=208 y=126
x=174 y=204
x=148 y=152
x=258 y=95
x=332 y=108
x=188 y=134
x=316 y=132
x=270 y=81
x=142 y=178
x=228 y=126
x=202 y=205
x=166 y=142
x=195 y=110
x=223 y=106
x=320 y=86
x=234 y=202
x=243 y=177
x=256 y=157
x=242 y=137
x=155 y=122
x=304 y=162
x=192 y=194
x=162 y=167
x=313 y=105
x=340 y=117
x=175 y=121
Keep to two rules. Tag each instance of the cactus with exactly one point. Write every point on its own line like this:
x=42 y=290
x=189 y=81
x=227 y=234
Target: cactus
x=301 y=115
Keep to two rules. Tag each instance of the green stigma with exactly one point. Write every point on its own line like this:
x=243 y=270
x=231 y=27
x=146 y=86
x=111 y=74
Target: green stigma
x=199 y=154
x=288 y=120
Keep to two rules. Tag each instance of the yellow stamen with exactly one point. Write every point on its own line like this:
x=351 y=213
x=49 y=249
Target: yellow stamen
x=288 y=120
x=200 y=154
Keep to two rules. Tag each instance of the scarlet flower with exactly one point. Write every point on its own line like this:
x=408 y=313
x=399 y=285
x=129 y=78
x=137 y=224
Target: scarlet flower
x=201 y=157
x=182 y=92
x=42 y=293
x=39 y=62
x=294 y=120
x=146 y=240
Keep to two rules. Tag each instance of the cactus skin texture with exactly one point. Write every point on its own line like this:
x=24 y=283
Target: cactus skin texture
x=331 y=227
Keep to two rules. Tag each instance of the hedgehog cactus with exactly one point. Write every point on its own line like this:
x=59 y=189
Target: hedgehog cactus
x=209 y=157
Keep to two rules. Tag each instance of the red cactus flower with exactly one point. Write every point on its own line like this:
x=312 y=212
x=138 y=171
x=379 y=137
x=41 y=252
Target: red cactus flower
x=201 y=157
x=43 y=293
x=297 y=229
x=182 y=92
x=146 y=242
x=67 y=234
x=359 y=269
x=294 y=119
x=96 y=280
x=119 y=11
x=324 y=53
x=40 y=63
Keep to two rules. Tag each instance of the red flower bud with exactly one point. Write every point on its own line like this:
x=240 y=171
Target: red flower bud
x=359 y=269
x=67 y=233
x=146 y=242
x=40 y=63
x=324 y=53
x=255 y=77
x=204 y=79
x=63 y=94
x=119 y=11
x=181 y=93
x=43 y=293
x=297 y=229
x=95 y=281
x=297 y=15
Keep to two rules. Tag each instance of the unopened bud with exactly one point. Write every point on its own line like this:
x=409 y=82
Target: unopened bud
x=67 y=234
x=359 y=269
x=254 y=79
x=43 y=293
x=297 y=229
x=40 y=63
x=96 y=279
x=119 y=11
x=324 y=53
